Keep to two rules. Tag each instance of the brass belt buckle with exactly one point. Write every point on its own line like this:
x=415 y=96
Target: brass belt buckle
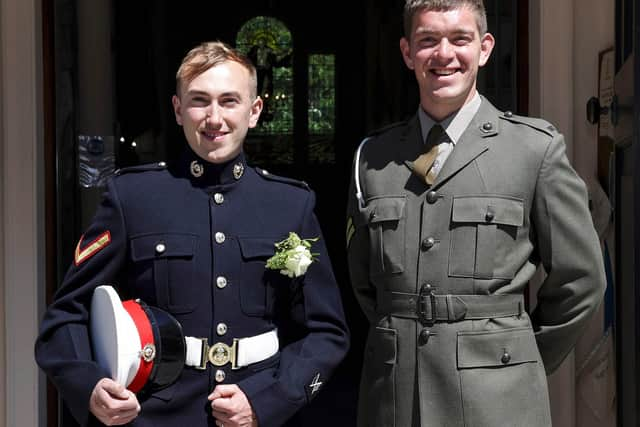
x=426 y=306
x=219 y=354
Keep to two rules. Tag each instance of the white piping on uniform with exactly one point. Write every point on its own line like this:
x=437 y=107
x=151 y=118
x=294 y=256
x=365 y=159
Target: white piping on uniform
x=356 y=174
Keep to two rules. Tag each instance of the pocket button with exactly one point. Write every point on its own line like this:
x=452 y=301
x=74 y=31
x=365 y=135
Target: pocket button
x=432 y=197
x=221 y=282
x=506 y=358
x=221 y=329
x=489 y=216
x=428 y=243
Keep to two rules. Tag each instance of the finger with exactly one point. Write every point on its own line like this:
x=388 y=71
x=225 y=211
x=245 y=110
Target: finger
x=223 y=390
x=120 y=412
x=114 y=389
x=221 y=404
x=115 y=406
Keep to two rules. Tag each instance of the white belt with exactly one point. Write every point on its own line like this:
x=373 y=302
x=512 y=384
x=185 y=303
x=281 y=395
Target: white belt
x=243 y=352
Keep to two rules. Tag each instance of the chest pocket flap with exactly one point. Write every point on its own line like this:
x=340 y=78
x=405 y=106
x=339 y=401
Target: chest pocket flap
x=386 y=208
x=491 y=209
x=483 y=349
x=257 y=247
x=163 y=245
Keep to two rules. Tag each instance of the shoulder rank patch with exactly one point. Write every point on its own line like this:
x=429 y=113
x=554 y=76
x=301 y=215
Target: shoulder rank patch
x=271 y=177
x=81 y=255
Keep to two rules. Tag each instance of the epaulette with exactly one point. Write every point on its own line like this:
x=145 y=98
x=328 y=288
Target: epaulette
x=271 y=177
x=386 y=128
x=535 y=123
x=141 y=168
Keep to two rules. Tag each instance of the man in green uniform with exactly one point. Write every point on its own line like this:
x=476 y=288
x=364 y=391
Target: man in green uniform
x=450 y=214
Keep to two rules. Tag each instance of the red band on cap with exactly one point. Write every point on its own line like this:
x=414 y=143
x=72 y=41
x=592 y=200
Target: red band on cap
x=146 y=337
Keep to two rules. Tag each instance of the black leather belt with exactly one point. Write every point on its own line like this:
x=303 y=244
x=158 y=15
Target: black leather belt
x=429 y=308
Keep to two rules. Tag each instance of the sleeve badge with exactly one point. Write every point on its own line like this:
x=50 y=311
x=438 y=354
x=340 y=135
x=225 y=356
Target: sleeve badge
x=99 y=243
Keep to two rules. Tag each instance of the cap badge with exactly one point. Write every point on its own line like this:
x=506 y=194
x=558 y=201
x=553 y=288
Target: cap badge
x=196 y=169
x=148 y=352
x=238 y=170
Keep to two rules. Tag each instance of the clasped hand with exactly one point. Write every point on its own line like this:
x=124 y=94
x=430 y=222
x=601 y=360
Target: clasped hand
x=112 y=404
x=231 y=408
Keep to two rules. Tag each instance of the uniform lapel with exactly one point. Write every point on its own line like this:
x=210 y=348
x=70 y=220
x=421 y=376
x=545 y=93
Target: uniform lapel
x=474 y=141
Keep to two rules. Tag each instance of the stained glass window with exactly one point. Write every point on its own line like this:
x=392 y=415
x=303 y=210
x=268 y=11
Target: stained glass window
x=267 y=41
x=321 y=108
x=269 y=44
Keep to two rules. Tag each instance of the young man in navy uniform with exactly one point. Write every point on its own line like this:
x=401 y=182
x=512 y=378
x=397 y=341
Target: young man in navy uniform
x=192 y=238
x=451 y=212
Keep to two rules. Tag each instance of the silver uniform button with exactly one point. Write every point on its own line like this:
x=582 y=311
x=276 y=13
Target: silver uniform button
x=221 y=282
x=220 y=375
x=218 y=198
x=221 y=329
x=160 y=248
x=220 y=237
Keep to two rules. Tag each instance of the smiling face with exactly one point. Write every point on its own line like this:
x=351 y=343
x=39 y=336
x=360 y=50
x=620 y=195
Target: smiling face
x=216 y=109
x=445 y=50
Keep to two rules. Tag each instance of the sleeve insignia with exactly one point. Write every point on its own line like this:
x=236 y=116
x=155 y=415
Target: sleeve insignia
x=315 y=384
x=351 y=228
x=81 y=255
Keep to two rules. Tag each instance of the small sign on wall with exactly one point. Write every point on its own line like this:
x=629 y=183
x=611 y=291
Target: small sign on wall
x=606 y=77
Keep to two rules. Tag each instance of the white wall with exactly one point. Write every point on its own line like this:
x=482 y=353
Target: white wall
x=2 y=238
x=22 y=207
x=565 y=39
x=594 y=31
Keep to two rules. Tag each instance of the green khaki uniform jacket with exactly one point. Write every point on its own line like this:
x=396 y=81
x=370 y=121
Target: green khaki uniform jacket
x=440 y=273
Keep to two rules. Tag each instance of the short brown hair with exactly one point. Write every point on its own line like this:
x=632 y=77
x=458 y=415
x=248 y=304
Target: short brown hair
x=209 y=54
x=411 y=7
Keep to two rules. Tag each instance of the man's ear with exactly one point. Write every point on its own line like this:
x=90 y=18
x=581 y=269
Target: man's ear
x=254 y=112
x=175 y=101
x=486 y=47
x=405 y=49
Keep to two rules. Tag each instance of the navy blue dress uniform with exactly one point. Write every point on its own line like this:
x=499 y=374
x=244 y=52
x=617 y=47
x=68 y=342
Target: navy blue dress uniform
x=192 y=239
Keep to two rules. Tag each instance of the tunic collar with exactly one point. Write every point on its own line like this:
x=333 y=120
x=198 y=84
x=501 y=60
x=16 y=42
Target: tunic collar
x=456 y=123
x=206 y=174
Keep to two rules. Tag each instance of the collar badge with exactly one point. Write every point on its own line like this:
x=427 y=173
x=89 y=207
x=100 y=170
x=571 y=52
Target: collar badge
x=196 y=169
x=238 y=170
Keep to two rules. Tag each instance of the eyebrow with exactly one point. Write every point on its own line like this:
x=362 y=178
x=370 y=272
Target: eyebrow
x=196 y=92
x=420 y=31
x=193 y=92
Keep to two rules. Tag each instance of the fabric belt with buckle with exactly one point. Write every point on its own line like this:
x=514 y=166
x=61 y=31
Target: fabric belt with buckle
x=428 y=307
x=242 y=352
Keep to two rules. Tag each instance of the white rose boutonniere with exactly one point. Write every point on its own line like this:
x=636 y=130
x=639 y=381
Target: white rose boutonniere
x=293 y=256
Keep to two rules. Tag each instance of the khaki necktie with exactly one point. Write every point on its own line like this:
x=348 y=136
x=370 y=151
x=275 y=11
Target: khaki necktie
x=423 y=165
